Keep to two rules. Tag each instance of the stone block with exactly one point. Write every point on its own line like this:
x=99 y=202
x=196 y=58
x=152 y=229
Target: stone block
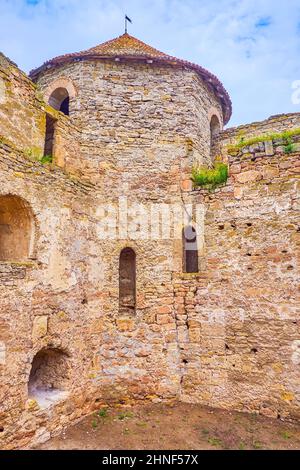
x=125 y=324
x=248 y=176
x=269 y=149
x=40 y=327
x=270 y=172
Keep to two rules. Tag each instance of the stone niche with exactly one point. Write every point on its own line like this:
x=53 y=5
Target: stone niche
x=49 y=379
x=16 y=229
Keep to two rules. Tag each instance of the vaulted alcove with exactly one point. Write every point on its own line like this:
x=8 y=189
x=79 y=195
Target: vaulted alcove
x=16 y=229
x=49 y=379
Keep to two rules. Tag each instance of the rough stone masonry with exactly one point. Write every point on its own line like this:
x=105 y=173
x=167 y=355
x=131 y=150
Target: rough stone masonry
x=87 y=320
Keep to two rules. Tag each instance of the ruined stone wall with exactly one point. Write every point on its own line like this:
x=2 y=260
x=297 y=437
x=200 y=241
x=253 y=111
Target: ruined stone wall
x=23 y=118
x=238 y=319
x=274 y=124
x=226 y=337
x=65 y=297
x=63 y=300
x=21 y=121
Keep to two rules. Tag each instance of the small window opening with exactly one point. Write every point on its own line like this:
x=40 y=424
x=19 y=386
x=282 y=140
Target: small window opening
x=190 y=250
x=49 y=136
x=60 y=100
x=215 y=129
x=127 y=281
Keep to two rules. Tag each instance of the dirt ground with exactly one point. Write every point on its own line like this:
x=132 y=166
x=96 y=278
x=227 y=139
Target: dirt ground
x=179 y=426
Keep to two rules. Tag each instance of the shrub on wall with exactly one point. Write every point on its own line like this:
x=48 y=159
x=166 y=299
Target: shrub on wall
x=210 y=178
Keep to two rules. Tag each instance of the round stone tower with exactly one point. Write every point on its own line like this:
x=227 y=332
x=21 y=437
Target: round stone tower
x=138 y=110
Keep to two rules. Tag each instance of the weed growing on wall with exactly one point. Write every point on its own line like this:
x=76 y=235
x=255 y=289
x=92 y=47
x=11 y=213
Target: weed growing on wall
x=210 y=178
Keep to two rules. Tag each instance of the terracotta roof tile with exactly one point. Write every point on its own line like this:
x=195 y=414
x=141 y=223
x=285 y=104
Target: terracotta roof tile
x=129 y=48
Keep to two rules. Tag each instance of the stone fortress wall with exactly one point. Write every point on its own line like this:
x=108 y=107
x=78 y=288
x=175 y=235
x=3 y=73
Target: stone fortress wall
x=227 y=336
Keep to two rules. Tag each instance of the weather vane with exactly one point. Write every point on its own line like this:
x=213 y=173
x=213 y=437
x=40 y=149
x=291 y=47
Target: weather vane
x=127 y=19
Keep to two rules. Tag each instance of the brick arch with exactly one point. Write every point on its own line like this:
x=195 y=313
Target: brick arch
x=213 y=111
x=63 y=87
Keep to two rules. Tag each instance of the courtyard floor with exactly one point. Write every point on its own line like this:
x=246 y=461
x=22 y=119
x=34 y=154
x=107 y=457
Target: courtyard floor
x=177 y=426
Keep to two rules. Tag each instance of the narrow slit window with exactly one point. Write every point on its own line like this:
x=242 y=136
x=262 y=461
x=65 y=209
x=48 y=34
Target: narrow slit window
x=215 y=129
x=190 y=250
x=127 y=281
x=49 y=136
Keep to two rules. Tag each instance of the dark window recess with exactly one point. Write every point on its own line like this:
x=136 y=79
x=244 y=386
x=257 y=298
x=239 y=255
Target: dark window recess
x=60 y=100
x=215 y=129
x=49 y=136
x=127 y=281
x=64 y=107
x=190 y=250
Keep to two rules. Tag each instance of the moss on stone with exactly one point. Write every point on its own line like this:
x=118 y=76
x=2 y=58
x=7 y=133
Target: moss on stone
x=285 y=136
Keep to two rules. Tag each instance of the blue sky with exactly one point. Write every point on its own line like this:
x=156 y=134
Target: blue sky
x=253 y=46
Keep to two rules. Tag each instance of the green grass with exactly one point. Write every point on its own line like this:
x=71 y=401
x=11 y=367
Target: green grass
x=125 y=415
x=46 y=159
x=214 y=441
x=141 y=424
x=205 y=432
x=289 y=148
x=285 y=136
x=286 y=435
x=257 y=445
x=210 y=177
x=103 y=413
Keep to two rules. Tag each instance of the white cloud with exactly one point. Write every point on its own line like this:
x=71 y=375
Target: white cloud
x=251 y=45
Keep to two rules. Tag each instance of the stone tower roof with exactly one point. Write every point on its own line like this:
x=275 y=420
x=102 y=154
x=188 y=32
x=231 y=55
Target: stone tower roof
x=129 y=48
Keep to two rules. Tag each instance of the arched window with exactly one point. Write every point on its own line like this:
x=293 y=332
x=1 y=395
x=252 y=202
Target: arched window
x=127 y=281
x=59 y=99
x=49 y=376
x=190 y=250
x=16 y=229
x=215 y=129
